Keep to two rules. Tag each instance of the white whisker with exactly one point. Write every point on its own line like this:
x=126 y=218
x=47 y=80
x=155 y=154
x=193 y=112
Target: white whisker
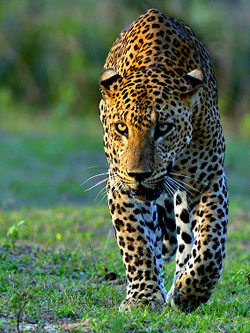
x=98 y=175
x=176 y=186
x=167 y=188
x=100 y=193
x=102 y=198
x=181 y=175
x=172 y=185
x=90 y=188
x=185 y=184
x=181 y=187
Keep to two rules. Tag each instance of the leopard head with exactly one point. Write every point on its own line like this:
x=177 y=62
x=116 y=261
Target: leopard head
x=147 y=121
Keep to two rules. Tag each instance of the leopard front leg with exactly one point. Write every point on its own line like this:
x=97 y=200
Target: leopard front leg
x=166 y=220
x=139 y=238
x=201 y=235
x=185 y=238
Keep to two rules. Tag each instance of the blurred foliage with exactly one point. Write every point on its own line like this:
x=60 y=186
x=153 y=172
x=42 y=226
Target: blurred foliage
x=52 y=51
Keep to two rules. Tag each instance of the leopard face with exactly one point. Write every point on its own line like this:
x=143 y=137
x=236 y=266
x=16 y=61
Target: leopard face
x=147 y=123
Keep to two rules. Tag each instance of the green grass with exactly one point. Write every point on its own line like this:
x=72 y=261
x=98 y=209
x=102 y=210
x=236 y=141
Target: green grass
x=55 y=273
x=55 y=267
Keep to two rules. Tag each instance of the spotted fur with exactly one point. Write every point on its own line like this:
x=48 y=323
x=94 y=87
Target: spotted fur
x=165 y=148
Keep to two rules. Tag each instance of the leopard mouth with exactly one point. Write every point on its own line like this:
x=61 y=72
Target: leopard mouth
x=143 y=193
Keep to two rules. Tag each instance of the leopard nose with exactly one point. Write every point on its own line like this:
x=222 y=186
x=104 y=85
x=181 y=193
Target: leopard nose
x=140 y=176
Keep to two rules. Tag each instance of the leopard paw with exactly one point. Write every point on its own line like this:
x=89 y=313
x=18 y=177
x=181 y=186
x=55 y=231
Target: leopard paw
x=130 y=303
x=170 y=297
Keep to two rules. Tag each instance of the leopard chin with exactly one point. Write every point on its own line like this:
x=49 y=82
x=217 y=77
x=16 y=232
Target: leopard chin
x=142 y=193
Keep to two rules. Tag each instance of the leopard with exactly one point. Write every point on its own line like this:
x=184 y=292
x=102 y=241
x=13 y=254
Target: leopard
x=165 y=148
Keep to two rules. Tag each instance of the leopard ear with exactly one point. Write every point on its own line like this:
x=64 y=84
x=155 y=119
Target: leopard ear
x=109 y=82
x=190 y=82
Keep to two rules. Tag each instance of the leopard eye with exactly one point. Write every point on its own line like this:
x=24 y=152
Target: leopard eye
x=162 y=129
x=122 y=128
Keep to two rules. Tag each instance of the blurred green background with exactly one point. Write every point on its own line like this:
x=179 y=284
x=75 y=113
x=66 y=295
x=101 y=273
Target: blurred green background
x=55 y=249
x=51 y=55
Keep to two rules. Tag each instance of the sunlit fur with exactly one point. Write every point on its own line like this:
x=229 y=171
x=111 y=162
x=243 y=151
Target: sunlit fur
x=165 y=148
